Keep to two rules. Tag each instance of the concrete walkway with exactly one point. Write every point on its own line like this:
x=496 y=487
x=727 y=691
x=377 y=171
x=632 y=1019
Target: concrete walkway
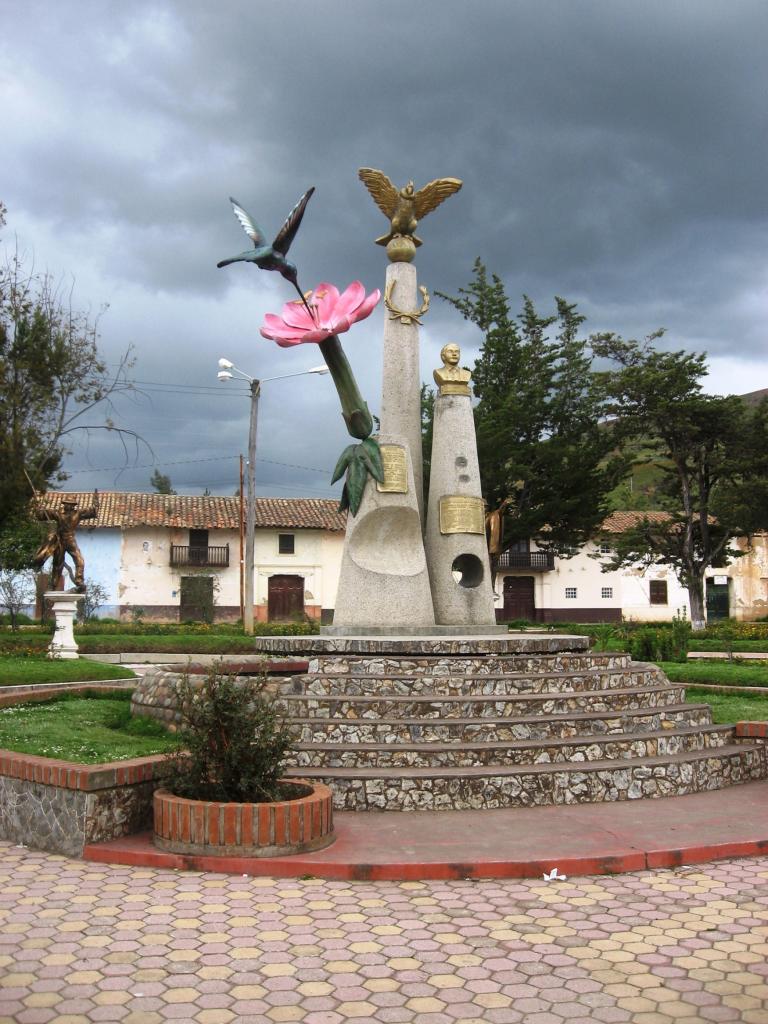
x=82 y=943
x=508 y=843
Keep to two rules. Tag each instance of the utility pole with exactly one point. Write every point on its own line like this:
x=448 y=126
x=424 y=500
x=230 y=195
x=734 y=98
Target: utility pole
x=226 y=366
x=241 y=532
x=250 y=518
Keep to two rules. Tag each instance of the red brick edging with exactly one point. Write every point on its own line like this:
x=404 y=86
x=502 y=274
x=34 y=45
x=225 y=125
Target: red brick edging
x=245 y=830
x=755 y=730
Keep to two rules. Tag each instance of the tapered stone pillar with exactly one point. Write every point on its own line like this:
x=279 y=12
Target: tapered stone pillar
x=457 y=553
x=401 y=387
x=384 y=583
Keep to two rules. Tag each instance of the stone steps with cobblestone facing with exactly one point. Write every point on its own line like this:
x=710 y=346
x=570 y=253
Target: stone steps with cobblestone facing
x=562 y=661
x=582 y=748
x=434 y=706
x=485 y=684
x=489 y=786
x=406 y=723
x=487 y=729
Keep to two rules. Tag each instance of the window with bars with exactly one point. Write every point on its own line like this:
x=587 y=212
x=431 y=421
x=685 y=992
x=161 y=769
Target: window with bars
x=286 y=543
x=571 y=592
x=658 y=592
x=606 y=592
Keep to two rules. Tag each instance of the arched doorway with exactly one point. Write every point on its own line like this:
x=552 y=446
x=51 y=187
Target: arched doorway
x=285 y=598
x=519 y=598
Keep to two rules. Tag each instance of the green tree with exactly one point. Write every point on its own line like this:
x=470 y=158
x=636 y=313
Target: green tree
x=20 y=537
x=427 y=419
x=710 y=455
x=161 y=483
x=540 y=446
x=53 y=383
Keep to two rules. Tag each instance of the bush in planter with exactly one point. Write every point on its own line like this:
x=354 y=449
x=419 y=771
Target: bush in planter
x=232 y=742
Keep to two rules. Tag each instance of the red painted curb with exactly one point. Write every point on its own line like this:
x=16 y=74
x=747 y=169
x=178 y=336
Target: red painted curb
x=138 y=851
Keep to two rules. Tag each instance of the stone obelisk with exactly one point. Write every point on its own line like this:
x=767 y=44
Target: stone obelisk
x=457 y=553
x=401 y=380
x=384 y=584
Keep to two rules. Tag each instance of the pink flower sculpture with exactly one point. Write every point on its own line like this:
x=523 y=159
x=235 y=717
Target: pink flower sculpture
x=332 y=313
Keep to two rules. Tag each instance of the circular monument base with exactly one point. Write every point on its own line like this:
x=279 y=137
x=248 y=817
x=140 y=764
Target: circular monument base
x=420 y=643
x=490 y=630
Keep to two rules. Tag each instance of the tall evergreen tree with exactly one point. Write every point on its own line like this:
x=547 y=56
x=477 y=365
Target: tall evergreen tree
x=540 y=444
x=161 y=482
x=710 y=454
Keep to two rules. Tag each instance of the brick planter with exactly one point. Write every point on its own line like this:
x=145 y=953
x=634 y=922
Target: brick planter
x=246 y=830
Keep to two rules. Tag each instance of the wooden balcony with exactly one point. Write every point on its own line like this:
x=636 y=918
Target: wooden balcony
x=536 y=561
x=212 y=557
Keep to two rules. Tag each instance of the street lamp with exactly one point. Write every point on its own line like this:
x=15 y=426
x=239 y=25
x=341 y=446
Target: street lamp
x=227 y=371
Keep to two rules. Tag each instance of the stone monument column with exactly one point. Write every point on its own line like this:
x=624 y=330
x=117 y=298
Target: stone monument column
x=384 y=581
x=457 y=553
x=401 y=386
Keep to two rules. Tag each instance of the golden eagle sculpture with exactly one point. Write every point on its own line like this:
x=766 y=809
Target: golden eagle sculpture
x=405 y=207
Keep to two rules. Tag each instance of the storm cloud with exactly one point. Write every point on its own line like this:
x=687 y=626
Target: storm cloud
x=613 y=153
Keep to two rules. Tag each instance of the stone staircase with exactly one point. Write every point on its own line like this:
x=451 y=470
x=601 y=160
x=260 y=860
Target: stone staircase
x=519 y=724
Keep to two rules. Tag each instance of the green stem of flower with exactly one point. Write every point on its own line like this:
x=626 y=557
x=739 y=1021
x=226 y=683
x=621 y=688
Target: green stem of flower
x=353 y=407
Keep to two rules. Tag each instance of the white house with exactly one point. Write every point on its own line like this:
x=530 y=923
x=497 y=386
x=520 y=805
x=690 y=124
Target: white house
x=172 y=557
x=176 y=557
x=532 y=584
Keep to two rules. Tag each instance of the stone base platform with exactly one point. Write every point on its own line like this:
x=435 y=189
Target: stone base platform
x=459 y=723
x=403 y=631
x=420 y=644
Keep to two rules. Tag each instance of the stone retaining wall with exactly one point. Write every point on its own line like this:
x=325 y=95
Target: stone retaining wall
x=60 y=806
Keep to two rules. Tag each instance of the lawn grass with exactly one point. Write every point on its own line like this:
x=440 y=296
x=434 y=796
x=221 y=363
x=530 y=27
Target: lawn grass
x=727 y=708
x=718 y=673
x=124 y=643
x=85 y=729
x=17 y=671
x=745 y=646
x=180 y=644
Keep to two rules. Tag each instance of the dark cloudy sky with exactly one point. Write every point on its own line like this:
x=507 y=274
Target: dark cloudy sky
x=612 y=152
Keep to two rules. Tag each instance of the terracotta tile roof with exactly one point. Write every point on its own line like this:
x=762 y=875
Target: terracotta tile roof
x=129 y=509
x=617 y=522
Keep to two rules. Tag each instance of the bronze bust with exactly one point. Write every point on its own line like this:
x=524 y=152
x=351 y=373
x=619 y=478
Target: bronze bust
x=451 y=378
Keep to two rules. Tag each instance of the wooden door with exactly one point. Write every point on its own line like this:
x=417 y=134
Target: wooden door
x=196 y=599
x=519 y=598
x=285 y=598
x=198 y=547
x=718 y=604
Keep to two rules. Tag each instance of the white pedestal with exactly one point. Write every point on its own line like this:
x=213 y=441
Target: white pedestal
x=64 y=604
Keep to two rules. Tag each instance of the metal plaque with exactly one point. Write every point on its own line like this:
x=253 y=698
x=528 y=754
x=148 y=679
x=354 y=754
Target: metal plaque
x=395 y=469
x=460 y=513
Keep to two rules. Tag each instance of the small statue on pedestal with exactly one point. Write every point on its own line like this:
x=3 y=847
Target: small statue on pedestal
x=62 y=541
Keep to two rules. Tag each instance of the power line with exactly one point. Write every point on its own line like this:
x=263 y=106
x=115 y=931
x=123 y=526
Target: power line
x=187 y=462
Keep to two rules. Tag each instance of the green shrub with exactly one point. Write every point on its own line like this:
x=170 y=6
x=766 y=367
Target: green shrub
x=661 y=643
x=232 y=742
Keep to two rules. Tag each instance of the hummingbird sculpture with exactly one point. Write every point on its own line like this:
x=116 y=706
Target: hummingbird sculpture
x=271 y=257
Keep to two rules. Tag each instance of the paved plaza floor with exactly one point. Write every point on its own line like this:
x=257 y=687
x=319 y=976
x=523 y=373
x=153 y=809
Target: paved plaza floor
x=82 y=942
